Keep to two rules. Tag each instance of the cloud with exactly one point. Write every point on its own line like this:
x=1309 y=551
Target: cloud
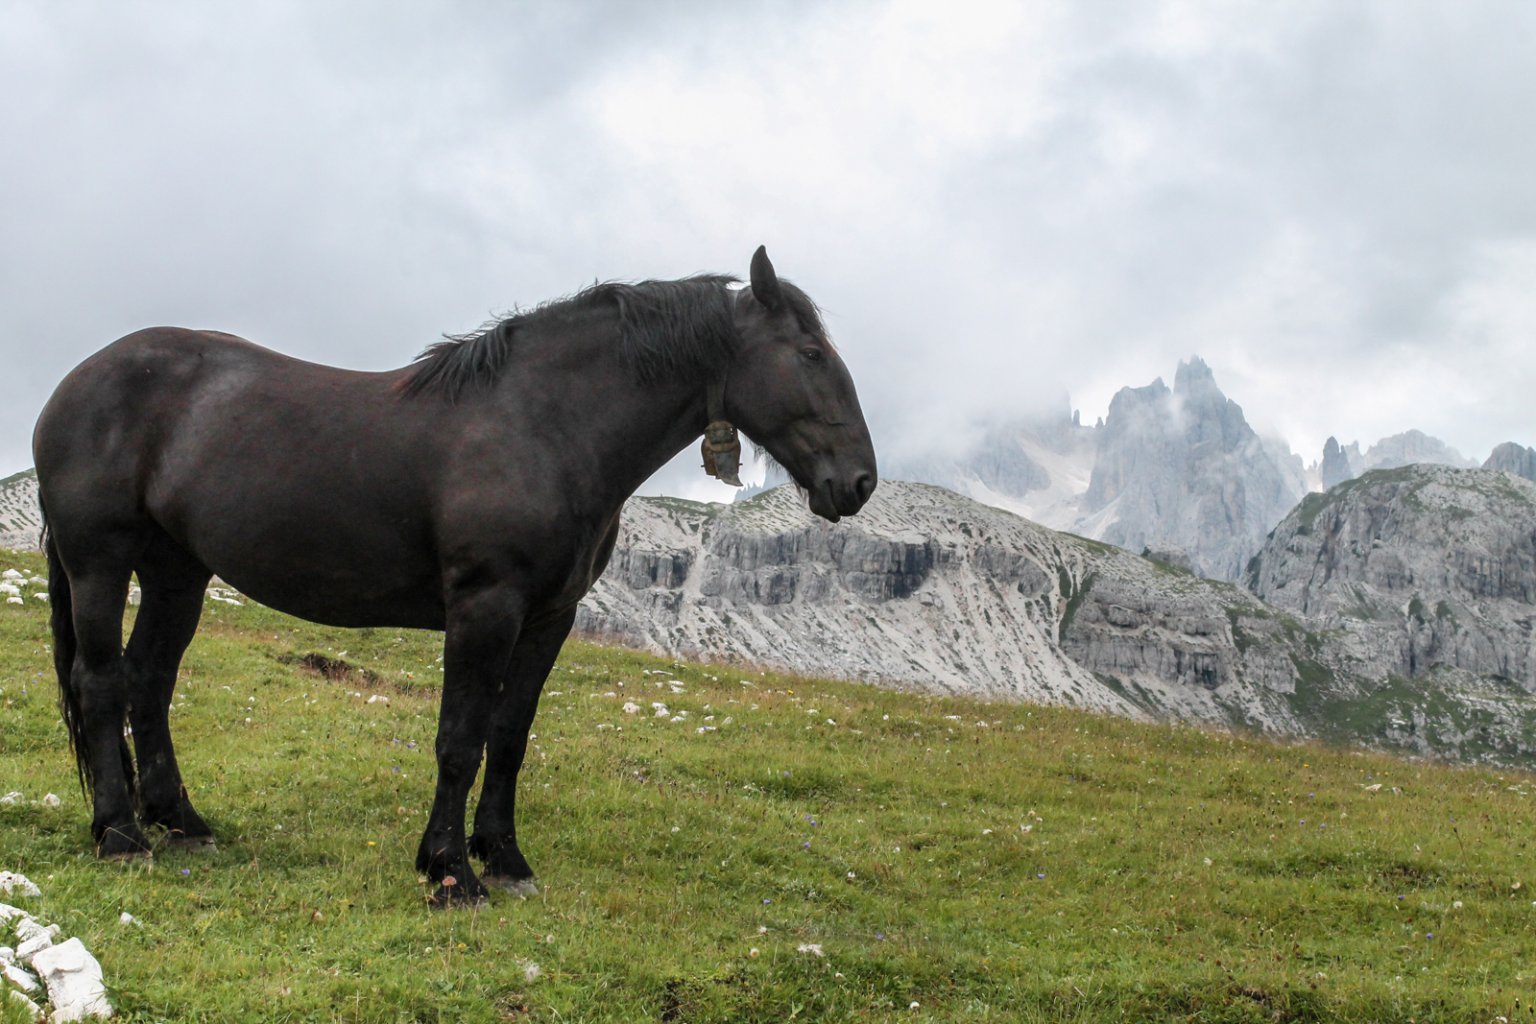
x=997 y=205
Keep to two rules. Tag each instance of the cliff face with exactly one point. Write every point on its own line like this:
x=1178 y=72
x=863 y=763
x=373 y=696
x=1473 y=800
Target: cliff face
x=927 y=589
x=1513 y=458
x=1424 y=567
x=20 y=519
x=1181 y=470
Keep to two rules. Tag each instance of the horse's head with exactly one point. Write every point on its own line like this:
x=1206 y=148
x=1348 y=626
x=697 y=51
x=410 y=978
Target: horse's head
x=790 y=392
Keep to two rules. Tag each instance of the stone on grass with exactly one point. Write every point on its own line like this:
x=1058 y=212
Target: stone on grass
x=31 y=947
x=73 y=977
x=12 y=884
x=21 y=1000
x=30 y=927
x=22 y=979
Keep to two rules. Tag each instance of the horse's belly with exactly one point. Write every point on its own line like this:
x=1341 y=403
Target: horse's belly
x=339 y=565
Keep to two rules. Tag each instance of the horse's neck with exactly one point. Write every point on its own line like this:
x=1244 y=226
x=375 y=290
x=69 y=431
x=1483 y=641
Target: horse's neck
x=615 y=431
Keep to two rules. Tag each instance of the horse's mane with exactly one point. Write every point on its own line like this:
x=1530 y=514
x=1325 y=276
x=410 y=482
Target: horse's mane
x=664 y=327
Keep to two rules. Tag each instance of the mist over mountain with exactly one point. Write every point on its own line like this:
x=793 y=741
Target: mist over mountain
x=1181 y=470
x=1174 y=472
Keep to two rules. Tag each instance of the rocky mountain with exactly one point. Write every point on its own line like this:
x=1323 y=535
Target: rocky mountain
x=1340 y=462
x=1177 y=471
x=927 y=589
x=1345 y=462
x=1181 y=470
x=1513 y=458
x=20 y=520
x=1423 y=579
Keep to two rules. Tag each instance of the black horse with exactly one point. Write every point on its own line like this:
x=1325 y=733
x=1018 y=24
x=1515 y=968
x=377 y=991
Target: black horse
x=475 y=491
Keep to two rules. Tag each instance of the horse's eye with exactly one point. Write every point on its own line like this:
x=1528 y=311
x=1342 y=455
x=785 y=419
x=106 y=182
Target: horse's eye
x=812 y=355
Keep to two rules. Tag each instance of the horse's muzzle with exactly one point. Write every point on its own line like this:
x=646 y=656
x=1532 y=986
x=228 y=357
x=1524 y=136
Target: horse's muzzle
x=832 y=500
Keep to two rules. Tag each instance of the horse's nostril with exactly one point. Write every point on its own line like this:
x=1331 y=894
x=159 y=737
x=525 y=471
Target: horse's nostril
x=864 y=486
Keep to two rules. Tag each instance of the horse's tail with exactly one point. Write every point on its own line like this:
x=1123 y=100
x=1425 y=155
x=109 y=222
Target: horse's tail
x=61 y=620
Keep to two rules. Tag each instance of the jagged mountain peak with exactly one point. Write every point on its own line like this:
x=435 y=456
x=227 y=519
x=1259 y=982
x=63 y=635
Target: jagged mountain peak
x=1182 y=470
x=1193 y=374
x=1513 y=458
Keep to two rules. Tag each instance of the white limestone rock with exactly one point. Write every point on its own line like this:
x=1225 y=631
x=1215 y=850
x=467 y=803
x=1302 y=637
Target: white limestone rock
x=75 y=987
x=13 y=884
x=20 y=999
x=30 y=947
x=19 y=977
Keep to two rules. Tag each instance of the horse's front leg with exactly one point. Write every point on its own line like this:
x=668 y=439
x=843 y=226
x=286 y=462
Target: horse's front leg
x=482 y=633
x=495 y=838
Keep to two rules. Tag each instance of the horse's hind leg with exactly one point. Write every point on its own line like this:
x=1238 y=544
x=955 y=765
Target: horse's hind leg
x=172 y=585
x=98 y=697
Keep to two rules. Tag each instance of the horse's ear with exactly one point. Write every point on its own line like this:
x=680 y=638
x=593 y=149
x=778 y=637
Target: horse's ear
x=765 y=283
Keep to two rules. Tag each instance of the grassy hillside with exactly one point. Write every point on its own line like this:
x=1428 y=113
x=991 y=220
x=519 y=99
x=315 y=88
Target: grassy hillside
x=788 y=849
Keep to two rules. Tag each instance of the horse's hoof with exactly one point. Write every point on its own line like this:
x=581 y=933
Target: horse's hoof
x=524 y=887
x=121 y=844
x=127 y=857
x=191 y=844
x=456 y=898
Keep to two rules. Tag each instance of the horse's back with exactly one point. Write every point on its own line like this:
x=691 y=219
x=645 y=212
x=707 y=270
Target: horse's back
x=254 y=462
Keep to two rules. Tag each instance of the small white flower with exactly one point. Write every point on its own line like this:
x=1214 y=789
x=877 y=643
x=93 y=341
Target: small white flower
x=813 y=948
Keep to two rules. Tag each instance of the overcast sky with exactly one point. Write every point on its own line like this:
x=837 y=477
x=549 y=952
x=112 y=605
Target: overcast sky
x=998 y=206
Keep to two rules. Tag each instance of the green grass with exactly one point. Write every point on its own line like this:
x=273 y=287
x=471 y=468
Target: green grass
x=987 y=862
